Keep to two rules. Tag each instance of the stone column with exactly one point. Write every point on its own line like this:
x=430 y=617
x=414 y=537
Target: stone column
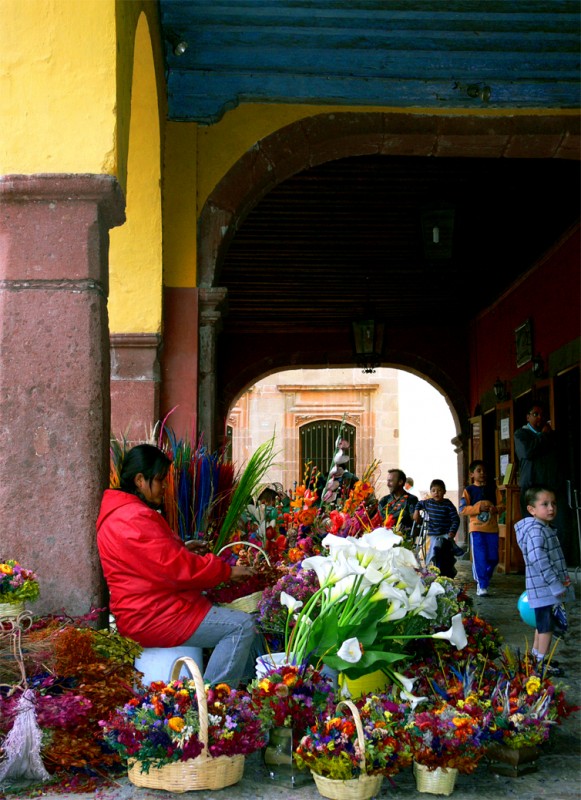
x=211 y=308
x=54 y=378
x=135 y=379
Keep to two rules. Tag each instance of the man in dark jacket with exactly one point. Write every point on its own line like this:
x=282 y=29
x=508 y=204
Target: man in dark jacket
x=536 y=448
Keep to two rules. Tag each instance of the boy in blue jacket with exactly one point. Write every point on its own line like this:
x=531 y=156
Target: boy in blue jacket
x=547 y=581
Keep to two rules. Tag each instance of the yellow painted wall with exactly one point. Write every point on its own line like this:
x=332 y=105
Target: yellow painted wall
x=135 y=253
x=57 y=86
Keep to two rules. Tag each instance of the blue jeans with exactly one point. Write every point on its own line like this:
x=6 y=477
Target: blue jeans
x=236 y=645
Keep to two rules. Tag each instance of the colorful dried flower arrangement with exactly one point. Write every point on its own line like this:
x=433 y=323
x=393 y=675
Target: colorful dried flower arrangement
x=331 y=746
x=291 y=696
x=17 y=584
x=161 y=725
x=525 y=706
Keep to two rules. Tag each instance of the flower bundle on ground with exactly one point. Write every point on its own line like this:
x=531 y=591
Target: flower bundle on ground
x=162 y=725
x=17 y=584
x=291 y=696
x=79 y=675
x=331 y=747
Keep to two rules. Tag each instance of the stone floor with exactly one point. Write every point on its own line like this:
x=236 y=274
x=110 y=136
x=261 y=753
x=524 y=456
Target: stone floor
x=558 y=776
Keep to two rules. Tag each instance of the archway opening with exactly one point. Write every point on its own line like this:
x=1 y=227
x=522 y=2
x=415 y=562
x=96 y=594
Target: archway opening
x=397 y=418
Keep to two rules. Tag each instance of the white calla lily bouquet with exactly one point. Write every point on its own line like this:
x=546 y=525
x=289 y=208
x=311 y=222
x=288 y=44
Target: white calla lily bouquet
x=371 y=601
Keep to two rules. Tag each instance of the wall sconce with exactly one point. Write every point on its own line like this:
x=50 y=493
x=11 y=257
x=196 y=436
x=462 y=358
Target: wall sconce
x=368 y=343
x=500 y=390
x=178 y=44
x=538 y=367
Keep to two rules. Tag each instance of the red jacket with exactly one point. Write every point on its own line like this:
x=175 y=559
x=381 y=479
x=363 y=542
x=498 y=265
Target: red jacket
x=155 y=582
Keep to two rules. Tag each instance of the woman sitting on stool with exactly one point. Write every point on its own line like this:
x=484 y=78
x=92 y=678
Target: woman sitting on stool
x=156 y=581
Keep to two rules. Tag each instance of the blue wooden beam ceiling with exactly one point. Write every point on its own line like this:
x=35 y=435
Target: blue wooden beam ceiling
x=466 y=54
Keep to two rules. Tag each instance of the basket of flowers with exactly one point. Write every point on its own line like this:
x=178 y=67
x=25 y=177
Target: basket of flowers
x=17 y=586
x=445 y=740
x=349 y=755
x=291 y=695
x=182 y=736
x=245 y=596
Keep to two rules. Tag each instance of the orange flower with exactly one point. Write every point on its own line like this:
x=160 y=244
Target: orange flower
x=176 y=724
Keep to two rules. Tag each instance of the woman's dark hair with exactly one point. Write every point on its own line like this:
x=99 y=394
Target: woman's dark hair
x=144 y=458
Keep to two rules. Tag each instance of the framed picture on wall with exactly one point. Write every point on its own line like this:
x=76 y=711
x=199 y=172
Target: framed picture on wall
x=523 y=340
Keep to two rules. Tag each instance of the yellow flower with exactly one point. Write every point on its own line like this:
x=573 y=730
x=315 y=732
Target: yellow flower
x=532 y=685
x=6 y=569
x=176 y=724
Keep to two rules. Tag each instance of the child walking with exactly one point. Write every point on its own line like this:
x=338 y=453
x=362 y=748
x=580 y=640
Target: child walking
x=443 y=524
x=482 y=503
x=547 y=581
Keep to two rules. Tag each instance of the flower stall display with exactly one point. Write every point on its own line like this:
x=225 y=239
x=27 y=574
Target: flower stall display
x=183 y=735
x=17 y=587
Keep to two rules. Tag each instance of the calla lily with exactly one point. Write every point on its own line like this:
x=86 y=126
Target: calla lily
x=340 y=458
x=381 y=539
x=456 y=635
x=290 y=602
x=428 y=608
x=407 y=683
x=411 y=699
x=350 y=651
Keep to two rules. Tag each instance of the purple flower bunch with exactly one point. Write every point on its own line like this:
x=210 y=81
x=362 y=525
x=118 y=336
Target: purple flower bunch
x=300 y=584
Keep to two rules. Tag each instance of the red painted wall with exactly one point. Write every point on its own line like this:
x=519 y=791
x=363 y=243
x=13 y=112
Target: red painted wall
x=550 y=295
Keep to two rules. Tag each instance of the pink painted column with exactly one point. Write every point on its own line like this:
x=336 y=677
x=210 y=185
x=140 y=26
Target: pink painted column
x=54 y=378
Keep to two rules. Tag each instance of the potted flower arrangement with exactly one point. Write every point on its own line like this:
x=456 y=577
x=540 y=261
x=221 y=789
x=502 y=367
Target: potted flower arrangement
x=445 y=739
x=291 y=696
x=524 y=709
x=370 y=602
x=194 y=737
x=17 y=586
x=350 y=754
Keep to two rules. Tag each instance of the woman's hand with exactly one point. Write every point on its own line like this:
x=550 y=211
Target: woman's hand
x=240 y=574
x=197 y=547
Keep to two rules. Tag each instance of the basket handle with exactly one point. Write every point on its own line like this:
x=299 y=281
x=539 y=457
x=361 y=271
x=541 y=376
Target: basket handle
x=246 y=544
x=360 y=735
x=188 y=662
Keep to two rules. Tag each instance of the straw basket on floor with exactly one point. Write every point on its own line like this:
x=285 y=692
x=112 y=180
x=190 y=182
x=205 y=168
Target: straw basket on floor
x=436 y=781
x=249 y=602
x=361 y=788
x=203 y=772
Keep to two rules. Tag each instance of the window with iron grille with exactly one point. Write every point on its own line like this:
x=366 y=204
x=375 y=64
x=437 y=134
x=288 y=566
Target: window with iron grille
x=318 y=446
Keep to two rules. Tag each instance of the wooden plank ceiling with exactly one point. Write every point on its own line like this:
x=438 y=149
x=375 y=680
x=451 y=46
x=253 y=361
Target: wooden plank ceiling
x=326 y=241
x=399 y=53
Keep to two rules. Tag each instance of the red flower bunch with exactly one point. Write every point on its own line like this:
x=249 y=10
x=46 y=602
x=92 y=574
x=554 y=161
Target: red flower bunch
x=291 y=697
x=445 y=736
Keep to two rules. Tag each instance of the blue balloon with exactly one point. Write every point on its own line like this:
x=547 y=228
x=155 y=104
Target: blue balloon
x=527 y=614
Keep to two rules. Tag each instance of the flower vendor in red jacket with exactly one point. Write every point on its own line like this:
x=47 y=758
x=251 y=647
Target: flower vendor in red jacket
x=156 y=581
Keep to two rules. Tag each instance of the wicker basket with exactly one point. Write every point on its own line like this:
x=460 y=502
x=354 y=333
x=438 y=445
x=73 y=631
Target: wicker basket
x=361 y=788
x=249 y=602
x=436 y=781
x=203 y=772
x=11 y=609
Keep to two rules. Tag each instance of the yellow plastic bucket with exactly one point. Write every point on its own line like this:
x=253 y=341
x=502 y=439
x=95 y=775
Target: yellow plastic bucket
x=371 y=683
